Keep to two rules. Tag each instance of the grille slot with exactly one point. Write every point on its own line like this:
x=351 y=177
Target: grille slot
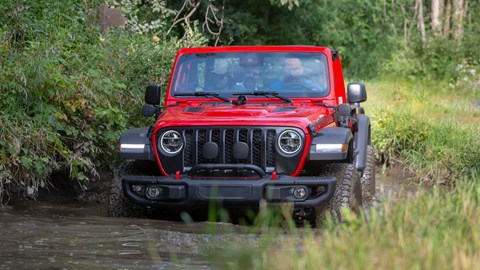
x=270 y=153
x=201 y=140
x=188 y=152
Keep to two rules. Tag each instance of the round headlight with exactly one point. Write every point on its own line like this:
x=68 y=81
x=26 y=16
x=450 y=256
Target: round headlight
x=171 y=142
x=289 y=142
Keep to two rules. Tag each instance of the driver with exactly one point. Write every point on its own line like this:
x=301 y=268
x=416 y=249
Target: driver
x=294 y=77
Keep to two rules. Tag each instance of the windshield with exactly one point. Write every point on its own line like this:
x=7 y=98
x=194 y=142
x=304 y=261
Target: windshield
x=289 y=74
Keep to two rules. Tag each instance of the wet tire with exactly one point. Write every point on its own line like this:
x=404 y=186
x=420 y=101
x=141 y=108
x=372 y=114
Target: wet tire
x=118 y=205
x=348 y=193
x=368 y=178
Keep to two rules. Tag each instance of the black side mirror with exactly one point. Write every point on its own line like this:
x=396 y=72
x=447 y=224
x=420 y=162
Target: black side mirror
x=149 y=110
x=153 y=94
x=356 y=93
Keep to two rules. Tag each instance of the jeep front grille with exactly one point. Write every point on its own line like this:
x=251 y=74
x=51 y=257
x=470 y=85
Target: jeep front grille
x=261 y=144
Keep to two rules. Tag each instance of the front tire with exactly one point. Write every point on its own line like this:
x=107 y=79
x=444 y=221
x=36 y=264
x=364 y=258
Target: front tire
x=368 y=178
x=347 y=194
x=118 y=204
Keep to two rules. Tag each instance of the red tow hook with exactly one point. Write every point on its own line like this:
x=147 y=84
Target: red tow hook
x=177 y=175
x=274 y=175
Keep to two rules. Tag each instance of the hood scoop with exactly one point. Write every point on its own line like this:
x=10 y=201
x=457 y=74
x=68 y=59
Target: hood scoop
x=285 y=109
x=193 y=109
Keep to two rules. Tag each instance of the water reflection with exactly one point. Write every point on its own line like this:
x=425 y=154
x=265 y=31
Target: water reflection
x=78 y=235
x=48 y=235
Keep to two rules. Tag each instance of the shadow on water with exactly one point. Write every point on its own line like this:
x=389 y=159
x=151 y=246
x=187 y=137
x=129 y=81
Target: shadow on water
x=78 y=235
x=59 y=232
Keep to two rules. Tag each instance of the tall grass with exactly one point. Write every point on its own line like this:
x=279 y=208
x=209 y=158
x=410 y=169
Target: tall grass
x=432 y=127
x=435 y=229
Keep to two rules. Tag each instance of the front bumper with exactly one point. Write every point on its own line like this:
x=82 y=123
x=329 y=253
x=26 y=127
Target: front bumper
x=187 y=191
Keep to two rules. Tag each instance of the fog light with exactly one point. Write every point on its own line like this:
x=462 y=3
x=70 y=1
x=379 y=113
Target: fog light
x=153 y=192
x=300 y=192
x=139 y=189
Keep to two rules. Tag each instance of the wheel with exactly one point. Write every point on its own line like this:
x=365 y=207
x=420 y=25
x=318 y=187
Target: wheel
x=118 y=205
x=368 y=178
x=296 y=86
x=347 y=194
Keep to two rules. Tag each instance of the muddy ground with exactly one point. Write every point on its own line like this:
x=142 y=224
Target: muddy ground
x=68 y=229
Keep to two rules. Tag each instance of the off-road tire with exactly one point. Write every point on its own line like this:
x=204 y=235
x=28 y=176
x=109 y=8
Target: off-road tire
x=368 y=178
x=348 y=193
x=118 y=204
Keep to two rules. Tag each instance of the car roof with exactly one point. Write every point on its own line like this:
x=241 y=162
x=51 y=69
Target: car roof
x=276 y=48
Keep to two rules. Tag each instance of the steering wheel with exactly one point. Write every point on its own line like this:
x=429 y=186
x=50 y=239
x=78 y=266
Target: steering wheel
x=302 y=86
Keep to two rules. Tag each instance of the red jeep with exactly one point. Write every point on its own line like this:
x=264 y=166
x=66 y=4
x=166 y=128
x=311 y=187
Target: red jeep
x=240 y=125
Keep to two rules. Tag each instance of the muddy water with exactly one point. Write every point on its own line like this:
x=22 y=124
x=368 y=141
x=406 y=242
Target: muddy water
x=393 y=184
x=63 y=234
x=48 y=235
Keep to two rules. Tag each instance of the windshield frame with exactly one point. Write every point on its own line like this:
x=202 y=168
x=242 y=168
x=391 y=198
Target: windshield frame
x=188 y=61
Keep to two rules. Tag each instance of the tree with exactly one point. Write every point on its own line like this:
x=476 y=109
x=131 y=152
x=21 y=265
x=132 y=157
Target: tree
x=459 y=10
x=421 y=22
x=437 y=11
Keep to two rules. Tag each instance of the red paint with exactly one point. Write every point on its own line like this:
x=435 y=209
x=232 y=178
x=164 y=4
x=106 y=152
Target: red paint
x=259 y=110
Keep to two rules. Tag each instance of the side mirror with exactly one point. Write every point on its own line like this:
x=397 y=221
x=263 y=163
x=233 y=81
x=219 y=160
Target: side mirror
x=149 y=110
x=153 y=93
x=356 y=93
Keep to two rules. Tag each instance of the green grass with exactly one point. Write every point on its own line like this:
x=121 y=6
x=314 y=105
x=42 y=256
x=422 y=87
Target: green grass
x=432 y=127
x=435 y=229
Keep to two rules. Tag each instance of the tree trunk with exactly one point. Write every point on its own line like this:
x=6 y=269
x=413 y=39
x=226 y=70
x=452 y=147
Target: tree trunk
x=405 y=25
x=457 y=22
x=421 y=21
x=448 y=16
x=437 y=10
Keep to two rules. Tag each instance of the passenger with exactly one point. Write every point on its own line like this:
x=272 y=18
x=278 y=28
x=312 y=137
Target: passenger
x=250 y=82
x=294 y=77
x=221 y=76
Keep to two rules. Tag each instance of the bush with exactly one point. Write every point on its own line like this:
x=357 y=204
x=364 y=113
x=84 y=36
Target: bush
x=394 y=132
x=433 y=131
x=66 y=92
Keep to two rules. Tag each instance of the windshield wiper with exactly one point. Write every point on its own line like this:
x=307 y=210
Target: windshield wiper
x=263 y=93
x=203 y=94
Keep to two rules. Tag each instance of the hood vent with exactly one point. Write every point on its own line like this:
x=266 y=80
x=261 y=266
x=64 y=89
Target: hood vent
x=285 y=109
x=193 y=109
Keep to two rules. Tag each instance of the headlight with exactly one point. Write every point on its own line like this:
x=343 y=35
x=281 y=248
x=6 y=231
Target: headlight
x=289 y=142
x=171 y=142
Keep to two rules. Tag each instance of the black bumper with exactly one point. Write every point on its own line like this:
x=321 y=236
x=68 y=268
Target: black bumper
x=187 y=191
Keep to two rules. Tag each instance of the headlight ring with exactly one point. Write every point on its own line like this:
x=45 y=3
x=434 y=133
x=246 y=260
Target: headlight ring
x=289 y=142
x=171 y=142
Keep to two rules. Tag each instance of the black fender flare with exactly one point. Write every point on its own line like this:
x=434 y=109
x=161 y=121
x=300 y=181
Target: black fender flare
x=361 y=141
x=135 y=144
x=332 y=136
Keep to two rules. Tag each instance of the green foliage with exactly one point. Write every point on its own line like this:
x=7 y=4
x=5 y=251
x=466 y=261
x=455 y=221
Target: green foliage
x=375 y=38
x=395 y=132
x=144 y=16
x=435 y=229
x=66 y=92
x=432 y=130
